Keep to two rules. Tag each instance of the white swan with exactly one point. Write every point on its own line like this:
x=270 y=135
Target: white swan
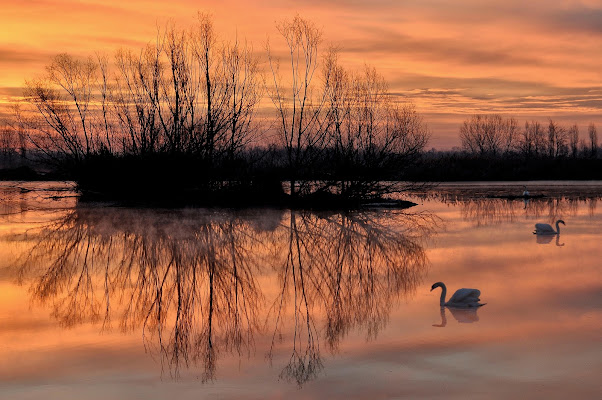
x=525 y=192
x=546 y=229
x=463 y=298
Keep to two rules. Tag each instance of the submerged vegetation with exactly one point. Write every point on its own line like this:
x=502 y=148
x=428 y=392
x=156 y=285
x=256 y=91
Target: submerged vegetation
x=190 y=115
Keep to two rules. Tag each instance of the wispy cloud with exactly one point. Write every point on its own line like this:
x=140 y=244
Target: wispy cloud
x=533 y=59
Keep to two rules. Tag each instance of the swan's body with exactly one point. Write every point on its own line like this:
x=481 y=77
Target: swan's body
x=462 y=298
x=525 y=192
x=546 y=229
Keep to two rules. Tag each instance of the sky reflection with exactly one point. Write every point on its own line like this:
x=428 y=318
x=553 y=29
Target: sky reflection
x=120 y=302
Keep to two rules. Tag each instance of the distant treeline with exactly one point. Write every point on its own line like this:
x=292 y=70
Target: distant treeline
x=442 y=166
x=183 y=112
x=498 y=148
x=494 y=135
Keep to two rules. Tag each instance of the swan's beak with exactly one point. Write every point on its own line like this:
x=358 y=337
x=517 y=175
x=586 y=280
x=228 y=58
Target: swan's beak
x=432 y=289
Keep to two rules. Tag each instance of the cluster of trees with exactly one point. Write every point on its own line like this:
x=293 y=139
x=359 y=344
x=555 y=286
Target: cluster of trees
x=192 y=95
x=367 y=136
x=498 y=148
x=187 y=93
x=493 y=135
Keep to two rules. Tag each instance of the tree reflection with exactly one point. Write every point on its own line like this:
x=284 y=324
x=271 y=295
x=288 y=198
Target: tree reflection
x=186 y=279
x=190 y=279
x=495 y=211
x=19 y=198
x=486 y=206
x=351 y=267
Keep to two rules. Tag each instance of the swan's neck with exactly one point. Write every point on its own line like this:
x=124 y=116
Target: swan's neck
x=443 y=294
x=558 y=227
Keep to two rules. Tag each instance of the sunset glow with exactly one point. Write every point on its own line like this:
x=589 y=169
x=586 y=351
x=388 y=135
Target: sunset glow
x=529 y=60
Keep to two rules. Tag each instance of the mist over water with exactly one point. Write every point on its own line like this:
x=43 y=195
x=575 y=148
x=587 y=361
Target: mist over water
x=274 y=303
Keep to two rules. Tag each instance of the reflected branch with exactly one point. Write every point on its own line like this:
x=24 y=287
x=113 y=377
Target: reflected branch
x=351 y=267
x=189 y=279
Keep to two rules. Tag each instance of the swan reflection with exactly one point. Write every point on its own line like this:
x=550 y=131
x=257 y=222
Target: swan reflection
x=462 y=315
x=525 y=203
x=547 y=239
x=194 y=281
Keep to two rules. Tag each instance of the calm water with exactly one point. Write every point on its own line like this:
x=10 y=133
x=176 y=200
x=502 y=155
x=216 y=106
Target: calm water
x=107 y=302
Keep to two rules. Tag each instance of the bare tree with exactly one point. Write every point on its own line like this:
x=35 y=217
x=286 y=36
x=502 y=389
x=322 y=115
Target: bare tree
x=371 y=138
x=573 y=134
x=527 y=141
x=301 y=124
x=593 y=139
x=241 y=72
x=557 y=140
x=471 y=135
x=53 y=129
x=339 y=87
x=7 y=144
x=186 y=93
x=535 y=135
x=215 y=93
x=510 y=135
x=493 y=131
x=106 y=96
x=18 y=125
x=371 y=131
x=178 y=91
x=135 y=101
x=63 y=123
x=77 y=79
x=190 y=94
x=489 y=134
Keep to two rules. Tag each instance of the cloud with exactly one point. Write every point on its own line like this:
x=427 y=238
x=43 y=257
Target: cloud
x=11 y=91
x=584 y=20
x=452 y=58
x=16 y=57
x=439 y=50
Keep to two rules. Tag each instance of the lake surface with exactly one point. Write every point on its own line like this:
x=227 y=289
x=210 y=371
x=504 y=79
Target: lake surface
x=102 y=302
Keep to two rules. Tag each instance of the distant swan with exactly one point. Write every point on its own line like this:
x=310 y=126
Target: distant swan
x=546 y=229
x=525 y=192
x=463 y=298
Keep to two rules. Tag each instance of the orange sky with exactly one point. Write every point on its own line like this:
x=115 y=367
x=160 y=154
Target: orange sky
x=531 y=60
